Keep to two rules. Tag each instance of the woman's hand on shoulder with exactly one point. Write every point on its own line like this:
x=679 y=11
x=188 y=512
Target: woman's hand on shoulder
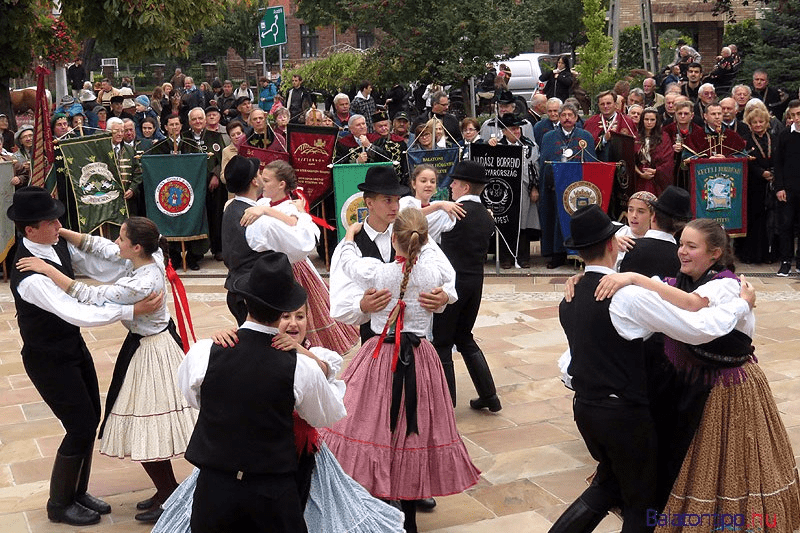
x=611 y=283
x=454 y=209
x=284 y=342
x=33 y=264
x=569 y=286
x=225 y=337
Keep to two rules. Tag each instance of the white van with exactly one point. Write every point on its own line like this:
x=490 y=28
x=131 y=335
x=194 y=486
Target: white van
x=525 y=72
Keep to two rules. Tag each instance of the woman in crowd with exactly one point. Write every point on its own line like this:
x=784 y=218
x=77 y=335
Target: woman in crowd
x=280 y=183
x=146 y=417
x=6 y=135
x=155 y=100
x=412 y=449
x=22 y=157
x=654 y=155
x=470 y=133
x=740 y=460
x=558 y=82
x=151 y=134
x=760 y=192
x=244 y=90
x=282 y=117
x=333 y=501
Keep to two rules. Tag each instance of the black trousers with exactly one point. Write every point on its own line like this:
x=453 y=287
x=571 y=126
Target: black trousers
x=788 y=215
x=622 y=439
x=67 y=383
x=258 y=504
x=215 y=205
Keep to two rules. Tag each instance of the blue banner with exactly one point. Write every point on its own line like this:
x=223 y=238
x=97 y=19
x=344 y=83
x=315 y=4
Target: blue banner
x=719 y=191
x=443 y=159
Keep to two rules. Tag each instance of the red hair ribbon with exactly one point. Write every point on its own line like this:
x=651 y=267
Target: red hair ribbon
x=181 y=305
x=318 y=221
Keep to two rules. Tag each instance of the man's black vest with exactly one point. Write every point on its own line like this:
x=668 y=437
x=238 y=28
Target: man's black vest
x=43 y=332
x=238 y=256
x=467 y=243
x=652 y=257
x=246 y=403
x=603 y=363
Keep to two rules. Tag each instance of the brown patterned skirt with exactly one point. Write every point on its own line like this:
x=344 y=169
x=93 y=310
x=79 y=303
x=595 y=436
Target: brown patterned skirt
x=739 y=470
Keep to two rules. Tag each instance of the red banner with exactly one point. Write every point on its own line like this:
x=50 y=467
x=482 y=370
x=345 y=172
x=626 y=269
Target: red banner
x=42 y=156
x=262 y=154
x=311 y=149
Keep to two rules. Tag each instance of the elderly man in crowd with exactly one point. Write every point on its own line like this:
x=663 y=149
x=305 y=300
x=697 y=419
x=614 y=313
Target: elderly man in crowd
x=506 y=104
x=651 y=97
x=359 y=146
x=342 y=114
x=706 y=95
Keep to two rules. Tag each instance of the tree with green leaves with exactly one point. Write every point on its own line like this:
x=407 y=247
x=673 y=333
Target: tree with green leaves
x=559 y=21
x=777 y=52
x=594 y=67
x=17 y=46
x=445 y=41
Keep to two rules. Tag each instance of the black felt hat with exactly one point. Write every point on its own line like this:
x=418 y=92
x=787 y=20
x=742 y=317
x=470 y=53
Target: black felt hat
x=32 y=204
x=383 y=180
x=510 y=119
x=589 y=225
x=240 y=170
x=271 y=283
x=380 y=116
x=469 y=171
x=674 y=202
x=241 y=100
x=505 y=97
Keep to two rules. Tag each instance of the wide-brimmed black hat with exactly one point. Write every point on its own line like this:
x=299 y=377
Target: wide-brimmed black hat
x=589 y=225
x=379 y=116
x=674 y=202
x=383 y=180
x=402 y=115
x=505 y=97
x=271 y=283
x=510 y=119
x=469 y=171
x=117 y=99
x=241 y=170
x=241 y=100
x=32 y=204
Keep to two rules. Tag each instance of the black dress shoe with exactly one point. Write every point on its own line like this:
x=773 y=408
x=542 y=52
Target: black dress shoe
x=95 y=504
x=492 y=403
x=525 y=264
x=146 y=504
x=192 y=265
x=505 y=265
x=150 y=516
x=218 y=256
x=74 y=514
x=557 y=261
x=426 y=504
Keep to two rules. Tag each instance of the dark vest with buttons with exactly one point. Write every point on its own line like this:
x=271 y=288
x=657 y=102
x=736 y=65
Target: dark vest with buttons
x=368 y=249
x=467 y=243
x=43 y=333
x=652 y=257
x=246 y=402
x=238 y=256
x=603 y=363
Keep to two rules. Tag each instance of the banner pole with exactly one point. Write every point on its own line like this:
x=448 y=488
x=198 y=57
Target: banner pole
x=183 y=255
x=497 y=250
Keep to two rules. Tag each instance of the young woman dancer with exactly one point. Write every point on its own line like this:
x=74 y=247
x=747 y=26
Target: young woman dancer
x=280 y=182
x=333 y=502
x=441 y=215
x=146 y=417
x=399 y=440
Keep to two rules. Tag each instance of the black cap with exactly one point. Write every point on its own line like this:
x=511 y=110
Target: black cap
x=383 y=179
x=32 y=204
x=589 y=225
x=470 y=171
x=271 y=283
x=674 y=202
x=241 y=100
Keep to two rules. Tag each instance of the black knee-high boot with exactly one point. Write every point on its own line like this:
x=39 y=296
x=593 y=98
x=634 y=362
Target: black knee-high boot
x=450 y=376
x=81 y=494
x=409 y=508
x=62 y=507
x=578 y=518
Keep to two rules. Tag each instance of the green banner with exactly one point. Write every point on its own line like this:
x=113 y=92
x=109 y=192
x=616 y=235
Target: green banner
x=175 y=194
x=350 y=205
x=92 y=173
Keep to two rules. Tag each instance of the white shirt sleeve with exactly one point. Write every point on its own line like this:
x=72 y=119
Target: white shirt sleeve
x=100 y=261
x=125 y=291
x=719 y=291
x=637 y=313
x=42 y=292
x=192 y=371
x=345 y=293
x=439 y=222
x=446 y=271
x=268 y=233
x=362 y=270
x=334 y=362
x=315 y=401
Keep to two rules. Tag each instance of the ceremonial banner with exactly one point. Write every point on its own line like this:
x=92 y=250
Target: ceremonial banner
x=175 y=194
x=262 y=154
x=622 y=149
x=504 y=191
x=93 y=179
x=311 y=152
x=42 y=156
x=443 y=159
x=579 y=184
x=348 y=199
x=719 y=191
x=7 y=230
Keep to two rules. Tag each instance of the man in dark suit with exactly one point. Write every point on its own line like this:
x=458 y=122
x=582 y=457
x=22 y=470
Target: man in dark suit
x=243 y=442
x=466 y=245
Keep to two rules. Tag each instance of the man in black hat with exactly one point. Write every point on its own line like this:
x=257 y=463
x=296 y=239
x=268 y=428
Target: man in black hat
x=493 y=128
x=656 y=254
x=242 y=246
x=393 y=145
x=466 y=245
x=115 y=106
x=608 y=375
x=243 y=442
x=54 y=354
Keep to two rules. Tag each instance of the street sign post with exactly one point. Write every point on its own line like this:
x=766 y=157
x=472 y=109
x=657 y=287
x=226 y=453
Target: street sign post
x=272 y=28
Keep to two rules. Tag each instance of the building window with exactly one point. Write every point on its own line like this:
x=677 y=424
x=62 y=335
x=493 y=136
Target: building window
x=309 y=41
x=365 y=39
x=285 y=50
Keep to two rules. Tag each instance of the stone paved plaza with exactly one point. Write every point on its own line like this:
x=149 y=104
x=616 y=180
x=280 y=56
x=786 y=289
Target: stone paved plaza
x=532 y=459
